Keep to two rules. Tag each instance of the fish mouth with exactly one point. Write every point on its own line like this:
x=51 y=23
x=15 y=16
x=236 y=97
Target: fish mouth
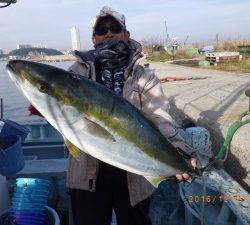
x=13 y=66
x=13 y=73
x=10 y=68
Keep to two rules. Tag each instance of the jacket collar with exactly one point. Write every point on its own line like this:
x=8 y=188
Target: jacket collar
x=84 y=56
x=89 y=57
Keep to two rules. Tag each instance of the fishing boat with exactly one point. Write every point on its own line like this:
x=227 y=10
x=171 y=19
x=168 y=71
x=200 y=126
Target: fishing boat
x=222 y=202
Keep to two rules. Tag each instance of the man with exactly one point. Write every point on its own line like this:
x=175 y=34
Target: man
x=96 y=187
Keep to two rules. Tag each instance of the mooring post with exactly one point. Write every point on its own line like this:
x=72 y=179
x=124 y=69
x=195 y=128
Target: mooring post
x=1 y=106
x=247 y=93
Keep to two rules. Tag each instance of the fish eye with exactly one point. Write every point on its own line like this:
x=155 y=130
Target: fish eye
x=42 y=87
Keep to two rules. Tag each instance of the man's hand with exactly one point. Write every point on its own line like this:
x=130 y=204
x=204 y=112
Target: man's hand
x=185 y=176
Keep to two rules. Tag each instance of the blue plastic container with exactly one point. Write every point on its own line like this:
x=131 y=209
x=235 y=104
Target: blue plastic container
x=27 y=214
x=206 y=49
x=30 y=209
x=30 y=191
x=31 y=197
x=32 y=182
x=28 y=204
x=48 y=216
x=27 y=200
x=11 y=156
x=36 y=218
x=13 y=128
x=29 y=221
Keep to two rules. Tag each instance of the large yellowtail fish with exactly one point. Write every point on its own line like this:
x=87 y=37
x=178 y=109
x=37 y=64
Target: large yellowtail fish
x=96 y=121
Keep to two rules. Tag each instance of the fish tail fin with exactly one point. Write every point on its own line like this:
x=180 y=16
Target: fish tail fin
x=155 y=181
x=74 y=151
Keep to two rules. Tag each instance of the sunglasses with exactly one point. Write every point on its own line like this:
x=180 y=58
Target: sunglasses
x=114 y=28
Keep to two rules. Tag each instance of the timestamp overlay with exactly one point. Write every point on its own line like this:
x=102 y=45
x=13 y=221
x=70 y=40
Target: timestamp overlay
x=215 y=198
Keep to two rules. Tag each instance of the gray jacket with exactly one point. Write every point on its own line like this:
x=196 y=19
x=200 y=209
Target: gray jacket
x=143 y=89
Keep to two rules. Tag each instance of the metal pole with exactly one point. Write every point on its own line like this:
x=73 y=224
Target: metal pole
x=247 y=93
x=167 y=35
x=173 y=51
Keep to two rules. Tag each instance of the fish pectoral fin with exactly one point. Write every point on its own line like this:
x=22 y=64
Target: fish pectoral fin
x=155 y=181
x=98 y=131
x=94 y=129
x=74 y=151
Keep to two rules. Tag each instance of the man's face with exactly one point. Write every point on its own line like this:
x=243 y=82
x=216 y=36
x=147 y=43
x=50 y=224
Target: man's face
x=109 y=29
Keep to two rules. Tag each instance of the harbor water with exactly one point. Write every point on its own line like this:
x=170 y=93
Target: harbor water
x=15 y=105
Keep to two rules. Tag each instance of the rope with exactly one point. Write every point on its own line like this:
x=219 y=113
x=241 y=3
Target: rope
x=230 y=133
x=204 y=193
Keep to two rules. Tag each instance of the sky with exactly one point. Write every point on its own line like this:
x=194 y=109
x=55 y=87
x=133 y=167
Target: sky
x=48 y=22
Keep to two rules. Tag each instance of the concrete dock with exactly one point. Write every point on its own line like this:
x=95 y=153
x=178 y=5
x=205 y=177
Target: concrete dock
x=215 y=103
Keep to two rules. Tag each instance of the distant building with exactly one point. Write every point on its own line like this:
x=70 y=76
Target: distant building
x=66 y=52
x=75 y=38
x=40 y=46
x=20 y=46
x=11 y=57
x=1 y=51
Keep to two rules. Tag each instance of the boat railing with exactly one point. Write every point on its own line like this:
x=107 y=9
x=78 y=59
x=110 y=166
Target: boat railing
x=42 y=131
